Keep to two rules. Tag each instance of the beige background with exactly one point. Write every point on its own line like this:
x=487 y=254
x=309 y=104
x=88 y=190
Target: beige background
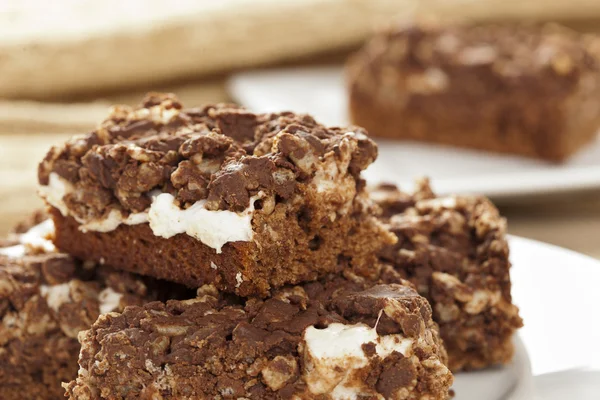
x=27 y=130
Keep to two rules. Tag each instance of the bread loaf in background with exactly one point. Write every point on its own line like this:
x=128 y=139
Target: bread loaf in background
x=57 y=49
x=481 y=10
x=74 y=46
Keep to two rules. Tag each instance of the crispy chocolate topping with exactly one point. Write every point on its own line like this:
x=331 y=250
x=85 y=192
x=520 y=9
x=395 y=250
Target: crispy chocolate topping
x=454 y=250
x=221 y=153
x=511 y=52
x=215 y=346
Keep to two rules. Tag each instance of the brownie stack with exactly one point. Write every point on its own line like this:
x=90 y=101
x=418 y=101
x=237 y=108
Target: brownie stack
x=217 y=253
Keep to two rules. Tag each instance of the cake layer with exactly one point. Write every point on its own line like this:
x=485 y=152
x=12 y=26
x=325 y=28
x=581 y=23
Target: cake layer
x=336 y=338
x=216 y=195
x=46 y=299
x=532 y=90
x=454 y=250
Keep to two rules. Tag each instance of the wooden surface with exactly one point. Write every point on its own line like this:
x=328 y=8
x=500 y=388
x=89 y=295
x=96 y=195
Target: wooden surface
x=29 y=129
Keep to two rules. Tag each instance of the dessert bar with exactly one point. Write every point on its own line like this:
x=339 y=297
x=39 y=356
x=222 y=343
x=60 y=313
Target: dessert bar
x=46 y=299
x=214 y=195
x=532 y=90
x=454 y=250
x=332 y=339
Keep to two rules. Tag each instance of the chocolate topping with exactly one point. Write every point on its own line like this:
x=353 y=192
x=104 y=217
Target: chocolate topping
x=221 y=153
x=454 y=250
x=216 y=346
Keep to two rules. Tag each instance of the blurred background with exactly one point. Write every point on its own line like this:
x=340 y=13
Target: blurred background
x=63 y=63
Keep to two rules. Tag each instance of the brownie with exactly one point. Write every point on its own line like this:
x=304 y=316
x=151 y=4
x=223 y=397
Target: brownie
x=526 y=89
x=214 y=195
x=46 y=299
x=454 y=250
x=336 y=338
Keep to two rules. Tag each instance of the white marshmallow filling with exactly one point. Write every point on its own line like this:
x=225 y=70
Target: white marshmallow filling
x=333 y=354
x=38 y=237
x=165 y=218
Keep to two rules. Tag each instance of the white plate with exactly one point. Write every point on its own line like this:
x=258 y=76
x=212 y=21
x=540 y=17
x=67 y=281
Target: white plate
x=570 y=384
x=558 y=292
x=320 y=91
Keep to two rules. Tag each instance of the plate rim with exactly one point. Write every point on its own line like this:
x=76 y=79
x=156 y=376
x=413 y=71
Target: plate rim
x=553 y=247
x=578 y=283
x=524 y=389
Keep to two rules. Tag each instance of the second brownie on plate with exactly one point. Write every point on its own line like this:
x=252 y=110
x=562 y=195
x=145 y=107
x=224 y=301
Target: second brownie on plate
x=332 y=339
x=454 y=250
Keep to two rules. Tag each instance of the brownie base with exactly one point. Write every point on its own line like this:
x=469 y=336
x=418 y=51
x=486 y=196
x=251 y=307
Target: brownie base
x=285 y=251
x=442 y=122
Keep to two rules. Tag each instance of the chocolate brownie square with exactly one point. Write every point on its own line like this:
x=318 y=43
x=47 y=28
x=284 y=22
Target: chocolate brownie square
x=454 y=250
x=219 y=195
x=336 y=338
x=527 y=89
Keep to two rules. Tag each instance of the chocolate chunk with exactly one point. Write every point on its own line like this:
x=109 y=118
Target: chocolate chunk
x=397 y=373
x=99 y=169
x=132 y=129
x=232 y=186
x=68 y=170
x=237 y=124
x=57 y=268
